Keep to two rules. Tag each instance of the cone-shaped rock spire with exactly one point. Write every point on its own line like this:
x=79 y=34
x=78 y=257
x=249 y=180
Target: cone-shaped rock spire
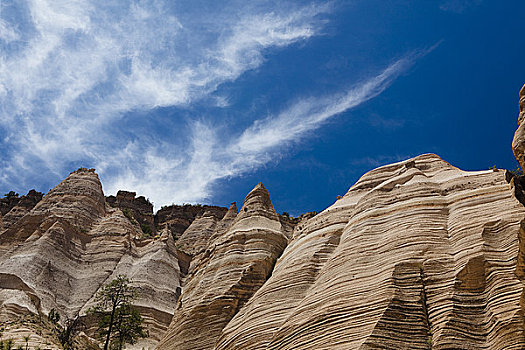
x=229 y=272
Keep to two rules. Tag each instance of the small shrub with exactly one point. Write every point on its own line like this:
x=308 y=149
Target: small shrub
x=53 y=316
x=516 y=172
x=146 y=229
x=11 y=194
x=129 y=215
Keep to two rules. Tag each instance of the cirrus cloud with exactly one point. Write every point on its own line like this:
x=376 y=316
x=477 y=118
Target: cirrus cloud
x=81 y=82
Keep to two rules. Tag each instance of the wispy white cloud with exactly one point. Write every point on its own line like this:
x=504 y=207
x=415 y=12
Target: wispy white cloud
x=212 y=158
x=74 y=74
x=71 y=70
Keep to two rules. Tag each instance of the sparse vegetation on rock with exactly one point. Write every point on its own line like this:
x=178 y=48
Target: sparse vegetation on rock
x=119 y=321
x=11 y=194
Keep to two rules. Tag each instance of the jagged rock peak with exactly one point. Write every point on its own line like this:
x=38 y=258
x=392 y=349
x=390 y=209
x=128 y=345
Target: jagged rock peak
x=417 y=255
x=257 y=202
x=28 y=201
x=234 y=265
x=82 y=188
x=81 y=182
x=257 y=210
x=197 y=235
x=232 y=210
x=13 y=208
x=259 y=191
x=70 y=244
x=226 y=222
x=78 y=201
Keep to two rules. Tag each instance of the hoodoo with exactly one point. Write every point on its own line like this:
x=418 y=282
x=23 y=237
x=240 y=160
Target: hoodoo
x=234 y=265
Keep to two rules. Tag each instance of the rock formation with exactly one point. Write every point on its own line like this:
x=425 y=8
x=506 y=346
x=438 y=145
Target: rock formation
x=227 y=274
x=518 y=143
x=416 y=255
x=177 y=218
x=518 y=147
x=195 y=238
x=70 y=244
x=137 y=209
x=13 y=208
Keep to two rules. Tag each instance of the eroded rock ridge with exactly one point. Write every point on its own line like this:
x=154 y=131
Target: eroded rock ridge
x=56 y=252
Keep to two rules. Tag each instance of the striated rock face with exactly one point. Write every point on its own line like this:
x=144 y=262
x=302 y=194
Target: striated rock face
x=196 y=236
x=416 y=255
x=227 y=274
x=177 y=218
x=518 y=146
x=70 y=244
x=518 y=143
x=136 y=208
x=12 y=209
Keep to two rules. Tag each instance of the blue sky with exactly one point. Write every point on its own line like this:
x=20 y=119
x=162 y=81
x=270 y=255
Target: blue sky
x=197 y=101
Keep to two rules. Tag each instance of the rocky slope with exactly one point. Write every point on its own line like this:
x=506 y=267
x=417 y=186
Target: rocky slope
x=13 y=208
x=416 y=255
x=59 y=253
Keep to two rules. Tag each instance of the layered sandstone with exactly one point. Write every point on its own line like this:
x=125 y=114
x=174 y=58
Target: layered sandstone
x=70 y=244
x=14 y=208
x=195 y=238
x=518 y=147
x=416 y=255
x=177 y=218
x=225 y=276
x=137 y=209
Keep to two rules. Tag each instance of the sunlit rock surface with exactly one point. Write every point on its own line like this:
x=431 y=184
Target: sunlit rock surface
x=227 y=274
x=518 y=143
x=416 y=255
x=59 y=254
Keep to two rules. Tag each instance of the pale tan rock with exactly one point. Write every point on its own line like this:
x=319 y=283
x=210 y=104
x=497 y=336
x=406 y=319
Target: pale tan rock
x=66 y=248
x=416 y=255
x=518 y=143
x=234 y=265
x=195 y=239
x=224 y=225
x=23 y=206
